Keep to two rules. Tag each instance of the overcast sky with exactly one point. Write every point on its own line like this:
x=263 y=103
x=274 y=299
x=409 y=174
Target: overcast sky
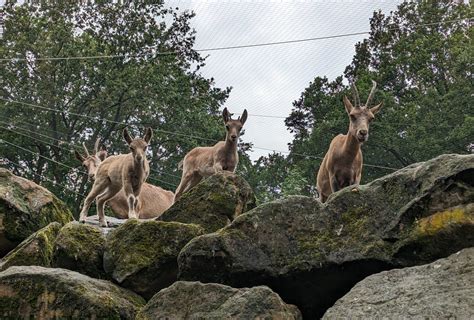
x=266 y=80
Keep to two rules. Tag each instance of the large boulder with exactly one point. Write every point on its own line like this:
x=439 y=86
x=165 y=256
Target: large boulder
x=36 y=250
x=195 y=300
x=213 y=203
x=443 y=289
x=26 y=207
x=312 y=254
x=142 y=255
x=80 y=247
x=47 y=293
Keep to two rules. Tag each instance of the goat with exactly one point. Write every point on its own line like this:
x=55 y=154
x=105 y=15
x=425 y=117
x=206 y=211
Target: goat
x=342 y=164
x=128 y=171
x=153 y=200
x=91 y=162
x=203 y=162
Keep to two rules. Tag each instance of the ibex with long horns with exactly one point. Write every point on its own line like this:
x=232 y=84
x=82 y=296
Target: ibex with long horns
x=342 y=164
x=203 y=162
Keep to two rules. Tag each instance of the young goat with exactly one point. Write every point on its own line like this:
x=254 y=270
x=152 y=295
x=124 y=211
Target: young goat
x=153 y=200
x=203 y=162
x=127 y=171
x=342 y=164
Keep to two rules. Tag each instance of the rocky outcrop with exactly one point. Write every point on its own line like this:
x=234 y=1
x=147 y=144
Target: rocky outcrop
x=80 y=247
x=142 y=255
x=195 y=300
x=312 y=254
x=26 y=207
x=47 y=293
x=443 y=289
x=36 y=250
x=213 y=203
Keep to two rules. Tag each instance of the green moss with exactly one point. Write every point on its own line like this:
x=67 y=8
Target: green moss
x=37 y=249
x=80 y=247
x=28 y=207
x=141 y=255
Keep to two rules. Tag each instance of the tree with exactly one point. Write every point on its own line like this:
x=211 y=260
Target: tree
x=421 y=57
x=148 y=77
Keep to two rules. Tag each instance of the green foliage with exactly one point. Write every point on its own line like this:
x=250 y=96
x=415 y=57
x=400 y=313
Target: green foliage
x=421 y=59
x=151 y=79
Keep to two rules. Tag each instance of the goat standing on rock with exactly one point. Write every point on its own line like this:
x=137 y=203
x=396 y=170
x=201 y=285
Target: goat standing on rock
x=203 y=162
x=342 y=164
x=153 y=200
x=127 y=171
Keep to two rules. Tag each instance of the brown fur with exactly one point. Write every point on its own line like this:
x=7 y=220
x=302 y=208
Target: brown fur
x=153 y=200
x=203 y=162
x=127 y=171
x=342 y=164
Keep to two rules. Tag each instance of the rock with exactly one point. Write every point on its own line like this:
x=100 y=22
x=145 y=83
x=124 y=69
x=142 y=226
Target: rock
x=26 y=207
x=312 y=254
x=80 y=247
x=213 y=203
x=443 y=289
x=36 y=250
x=142 y=255
x=195 y=300
x=47 y=293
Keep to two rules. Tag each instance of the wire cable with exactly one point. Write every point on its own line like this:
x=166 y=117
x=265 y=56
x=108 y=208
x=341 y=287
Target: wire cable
x=181 y=134
x=46 y=178
x=254 y=45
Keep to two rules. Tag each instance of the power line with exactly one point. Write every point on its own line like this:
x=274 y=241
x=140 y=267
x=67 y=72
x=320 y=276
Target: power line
x=177 y=133
x=254 y=45
x=40 y=155
x=46 y=178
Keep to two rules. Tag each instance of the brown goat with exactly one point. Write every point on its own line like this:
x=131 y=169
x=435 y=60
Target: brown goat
x=342 y=164
x=91 y=162
x=153 y=200
x=203 y=162
x=127 y=171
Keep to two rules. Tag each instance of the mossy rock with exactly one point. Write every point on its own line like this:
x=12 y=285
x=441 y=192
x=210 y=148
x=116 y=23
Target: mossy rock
x=311 y=254
x=26 y=207
x=443 y=289
x=213 y=203
x=195 y=300
x=142 y=255
x=36 y=250
x=49 y=293
x=80 y=247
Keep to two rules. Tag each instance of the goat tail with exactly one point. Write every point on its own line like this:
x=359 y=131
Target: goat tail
x=180 y=165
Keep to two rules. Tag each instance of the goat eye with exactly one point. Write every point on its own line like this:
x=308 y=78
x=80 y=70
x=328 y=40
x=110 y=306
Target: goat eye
x=227 y=127
x=353 y=118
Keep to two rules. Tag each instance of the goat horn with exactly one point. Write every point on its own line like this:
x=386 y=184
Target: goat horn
x=371 y=94
x=96 y=145
x=85 y=149
x=355 y=94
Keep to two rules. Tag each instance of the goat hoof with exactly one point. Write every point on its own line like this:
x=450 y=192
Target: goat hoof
x=355 y=190
x=103 y=224
x=82 y=220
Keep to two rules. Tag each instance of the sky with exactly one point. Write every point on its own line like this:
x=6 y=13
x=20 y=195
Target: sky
x=266 y=80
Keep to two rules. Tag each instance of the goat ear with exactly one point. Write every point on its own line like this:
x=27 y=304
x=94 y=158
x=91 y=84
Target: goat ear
x=102 y=154
x=377 y=108
x=348 y=105
x=225 y=115
x=126 y=136
x=244 y=117
x=79 y=156
x=148 y=135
